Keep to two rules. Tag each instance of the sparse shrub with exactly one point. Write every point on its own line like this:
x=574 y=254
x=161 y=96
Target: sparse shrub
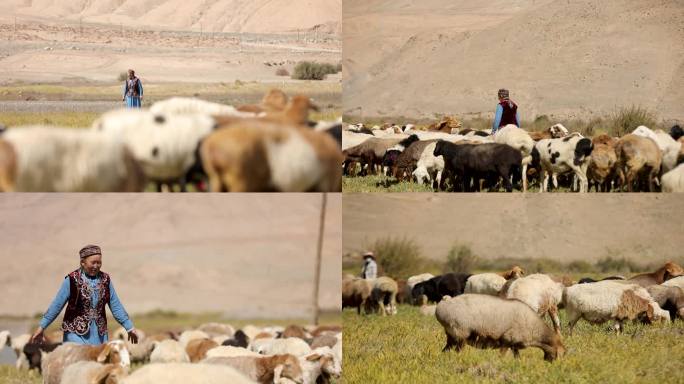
x=397 y=258
x=309 y=70
x=282 y=72
x=610 y=264
x=122 y=76
x=626 y=119
x=460 y=259
x=580 y=266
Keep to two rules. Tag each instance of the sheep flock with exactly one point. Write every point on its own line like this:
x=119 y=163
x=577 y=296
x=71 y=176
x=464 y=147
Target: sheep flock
x=270 y=146
x=447 y=157
x=210 y=353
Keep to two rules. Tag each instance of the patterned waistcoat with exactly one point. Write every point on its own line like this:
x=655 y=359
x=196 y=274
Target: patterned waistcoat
x=79 y=309
x=132 y=87
x=509 y=112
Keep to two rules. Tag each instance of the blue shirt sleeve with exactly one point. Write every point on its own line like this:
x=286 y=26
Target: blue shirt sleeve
x=57 y=304
x=140 y=88
x=517 y=118
x=497 y=118
x=117 y=309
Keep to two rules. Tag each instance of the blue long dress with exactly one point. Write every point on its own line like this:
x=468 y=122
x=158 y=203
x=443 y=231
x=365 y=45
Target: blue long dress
x=133 y=101
x=92 y=337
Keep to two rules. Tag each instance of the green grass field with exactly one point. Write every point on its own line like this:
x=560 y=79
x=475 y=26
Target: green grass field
x=380 y=183
x=407 y=348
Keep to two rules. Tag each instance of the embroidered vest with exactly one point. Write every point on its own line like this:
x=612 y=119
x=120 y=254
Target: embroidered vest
x=509 y=112
x=80 y=310
x=132 y=87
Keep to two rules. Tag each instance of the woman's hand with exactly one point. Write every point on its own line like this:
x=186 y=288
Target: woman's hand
x=38 y=337
x=133 y=336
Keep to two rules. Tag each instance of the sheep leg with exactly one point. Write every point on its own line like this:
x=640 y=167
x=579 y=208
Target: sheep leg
x=618 y=326
x=583 y=183
x=545 y=180
x=524 y=177
x=553 y=314
x=452 y=343
x=516 y=352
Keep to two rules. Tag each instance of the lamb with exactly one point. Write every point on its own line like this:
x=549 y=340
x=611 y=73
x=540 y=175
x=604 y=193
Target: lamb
x=54 y=159
x=292 y=345
x=539 y=292
x=485 y=321
x=264 y=370
x=519 y=139
x=197 y=349
x=53 y=363
x=257 y=156
x=89 y=372
x=557 y=156
x=607 y=300
x=638 y=161
x=239 y=339
x=355 y=293
x=407 y=159
x=192 y=105
x=670 y=299
x=478 y=160
x=383 y=295
x=164 y=144
x=320 y=366
x=185 y=373
x=554 y=132
x=601 y=170
x=169 y=351
x=662 y=274
x=673 y=181
x=429 y=167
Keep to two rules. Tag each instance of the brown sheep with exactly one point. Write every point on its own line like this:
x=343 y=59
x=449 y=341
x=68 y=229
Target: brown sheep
x=662 y=274
x=355 y=293
x=484 y=321
x=326 y=328
x=601 y=170
x=326 y=340
x=383 y=296
x=260 y=156
x=514 y=273
x=274 y=100
x=404 y=292
x=407 y=160
x=638 y=161
x=295 y=331
x=370 y=152
x=447 y=124
x=264 y=370
x=197 y=349
x=53 y=363
x=670 y=299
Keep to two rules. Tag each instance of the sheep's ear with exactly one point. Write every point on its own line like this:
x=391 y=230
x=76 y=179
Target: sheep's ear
x=102 y=357
x=313 y=357
x=103 y=375
x=277 y=372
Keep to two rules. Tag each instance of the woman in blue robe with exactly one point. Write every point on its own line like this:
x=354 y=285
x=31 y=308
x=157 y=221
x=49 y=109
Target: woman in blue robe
x=132 y=91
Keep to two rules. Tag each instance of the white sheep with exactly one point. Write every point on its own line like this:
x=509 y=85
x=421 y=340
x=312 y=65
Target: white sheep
x=230 y=351
x=54 y=363
x=291 y=345
x=352 y=139
x=263 y=369
x=191 y=105
x=55 y=159
x=192 y=334
x=186 y=373
x=539 y=292
x=429 y=167
x=557 y=156
x=319 y=362
x=485 y=283
x=89 y=372
x=415 y=279
x=607 y=300
x=673 y=181
x=669 y=147
x=519 y=139
x=169 y=351
x=17 y=344
x=675 y=282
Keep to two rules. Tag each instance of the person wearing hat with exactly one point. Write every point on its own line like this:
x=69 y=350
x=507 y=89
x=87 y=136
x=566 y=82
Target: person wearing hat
x=370 y=268
x=132 y=91
x=506 y=112
x=85 y=292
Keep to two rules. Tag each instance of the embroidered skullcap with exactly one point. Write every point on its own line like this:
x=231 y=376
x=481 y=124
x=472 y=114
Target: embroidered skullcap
x=503 y=93
x=89 y=250
x=368 y=254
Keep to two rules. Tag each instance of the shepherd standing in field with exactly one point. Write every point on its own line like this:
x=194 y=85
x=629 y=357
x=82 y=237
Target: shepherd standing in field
x=132 y=91
x=370 y=268
x=86 y=291
x=506 y=112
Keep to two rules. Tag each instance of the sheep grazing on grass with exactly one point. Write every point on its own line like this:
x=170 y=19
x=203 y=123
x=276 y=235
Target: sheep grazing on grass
x=383 y=295
x=449 y=284
x=197 y=349
x=264 y=370
x=519 y=139
x=355 y=293
x=53 y=159
x=169 y=351
x=53 y=363
x=430 y=167
x=259 y=156
x=292 y=345
x=484 y=321
x=670 y=299
x=673 y=181
x=491 y=283
x=274 y=100
x=670 y=148
x=478 y=161
x=607 y=300
x=192 y=105
x=90 y=372
x=32 y=354
x=180 y=373
x=539 y=292
x=557 y=156
x=407 y=159
x=662 y=274
x=638 y=162
x=601 y=170
x=675 y=282
x=368 y=153
x=239 y=339
x=553 y=132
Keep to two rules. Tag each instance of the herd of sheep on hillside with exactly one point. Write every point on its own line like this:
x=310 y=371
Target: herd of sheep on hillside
x=506 y=310
x=271 y=146
x=644 y=160
x=213 y=353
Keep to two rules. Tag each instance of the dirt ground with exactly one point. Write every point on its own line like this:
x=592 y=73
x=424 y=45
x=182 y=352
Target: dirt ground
x=644 y=228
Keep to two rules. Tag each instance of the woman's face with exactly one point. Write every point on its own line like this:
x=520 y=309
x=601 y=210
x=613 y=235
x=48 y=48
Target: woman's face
x=92 y=264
